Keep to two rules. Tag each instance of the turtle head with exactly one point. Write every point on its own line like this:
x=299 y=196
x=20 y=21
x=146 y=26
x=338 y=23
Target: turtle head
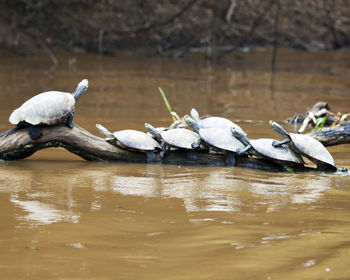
x=151 y=129
x=81 y=88
x=240 y=136
x=101 y=129
x=191 y=123
x=279 y=129
x=194 y=114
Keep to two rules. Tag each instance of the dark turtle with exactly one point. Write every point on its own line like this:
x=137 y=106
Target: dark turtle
x=47 y=108
x=132 y=140
x=307 y=146
x=220 y=139
x=263 y=148
x=217 y=122
x=178 y=138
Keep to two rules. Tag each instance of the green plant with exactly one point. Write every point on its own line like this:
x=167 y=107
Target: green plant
x=319 y=124
x=173 y=114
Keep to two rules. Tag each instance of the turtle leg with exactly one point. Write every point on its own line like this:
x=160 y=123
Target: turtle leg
x=230 y=158
x=35 y=132
x=197 y=144
x=163 y=151
x=243 y=151
x=277 y=144
x=69 y=121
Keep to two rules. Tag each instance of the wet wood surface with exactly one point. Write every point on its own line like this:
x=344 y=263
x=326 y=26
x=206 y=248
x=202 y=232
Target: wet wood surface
x=333 y=136
x=17 y=144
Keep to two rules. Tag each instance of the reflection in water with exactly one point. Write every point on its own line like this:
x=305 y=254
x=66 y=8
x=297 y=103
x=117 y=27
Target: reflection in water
x=78 y=220
x=40 y=213
x=201 y=189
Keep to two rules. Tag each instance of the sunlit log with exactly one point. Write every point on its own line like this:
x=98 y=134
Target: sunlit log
x=17 y=144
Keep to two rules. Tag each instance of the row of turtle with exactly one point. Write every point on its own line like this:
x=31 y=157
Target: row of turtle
x=220 y=135
x=193 y=134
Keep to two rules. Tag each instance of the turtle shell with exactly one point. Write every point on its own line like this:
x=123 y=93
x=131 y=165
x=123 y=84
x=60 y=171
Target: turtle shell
x=136 y=140
x=180 y=138
x=218 y=122
x=220 y=138
x=280 y=154
x=51 y=107
x=312 y=149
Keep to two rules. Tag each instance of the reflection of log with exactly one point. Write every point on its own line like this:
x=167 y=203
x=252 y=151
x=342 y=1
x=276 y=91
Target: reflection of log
x=16 y=144
x=333 y=136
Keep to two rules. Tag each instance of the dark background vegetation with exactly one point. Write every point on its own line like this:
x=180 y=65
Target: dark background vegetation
x=169 y=27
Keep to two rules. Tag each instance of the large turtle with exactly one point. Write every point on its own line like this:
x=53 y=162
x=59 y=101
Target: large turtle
x=305 y=145
x=47 y=108
x=220 y=139
x=217 y=122
x=132 y=140
x=178 y=138
x=263 y=148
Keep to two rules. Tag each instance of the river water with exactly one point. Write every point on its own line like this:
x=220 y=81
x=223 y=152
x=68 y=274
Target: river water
x=66 y=218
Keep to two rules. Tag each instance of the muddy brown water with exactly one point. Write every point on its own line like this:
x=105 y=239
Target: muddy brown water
x=64 y=218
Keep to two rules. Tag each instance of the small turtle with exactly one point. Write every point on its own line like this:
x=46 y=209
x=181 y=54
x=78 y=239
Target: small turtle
x=178 y=138
x=221 y=139
x=305 y=145
x=263 y=148
x=47 y=108
x=217 y=122
x=132 y=140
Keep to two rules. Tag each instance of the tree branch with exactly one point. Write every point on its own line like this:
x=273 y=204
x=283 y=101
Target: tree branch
x=333 y=136
x=16 y=144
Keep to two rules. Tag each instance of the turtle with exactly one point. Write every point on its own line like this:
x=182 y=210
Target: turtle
x=132 y=140
x=209 y=122
x=306 y=146
x=47 y=108
x=178 y=138
x=221 y=139
x=263 y=148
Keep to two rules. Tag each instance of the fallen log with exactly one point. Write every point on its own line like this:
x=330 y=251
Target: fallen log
x=17 y=144
x=337 y=135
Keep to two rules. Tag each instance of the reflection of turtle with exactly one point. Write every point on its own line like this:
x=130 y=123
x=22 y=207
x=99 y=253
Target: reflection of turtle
x=179 y=138
x=47 y=108
x=305 y=145
x=132 y=140
x=217 y=122
x=263 y=148
x=220 y=139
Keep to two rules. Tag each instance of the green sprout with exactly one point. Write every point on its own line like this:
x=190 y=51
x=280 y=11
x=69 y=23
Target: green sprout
x=289 y=169
x=319 y=124
x=167 y=104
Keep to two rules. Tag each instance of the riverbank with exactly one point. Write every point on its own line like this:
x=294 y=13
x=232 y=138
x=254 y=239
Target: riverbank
x=30 y=27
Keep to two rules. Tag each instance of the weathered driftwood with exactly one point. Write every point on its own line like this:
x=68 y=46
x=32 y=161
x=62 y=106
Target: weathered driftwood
x=333 y=136
x=16 y=144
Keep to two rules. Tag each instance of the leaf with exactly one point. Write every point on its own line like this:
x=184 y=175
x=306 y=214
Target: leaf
x=175 y=115
x=289 y=169
x=165 y=100
x=167 y=104
x=319 y=124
